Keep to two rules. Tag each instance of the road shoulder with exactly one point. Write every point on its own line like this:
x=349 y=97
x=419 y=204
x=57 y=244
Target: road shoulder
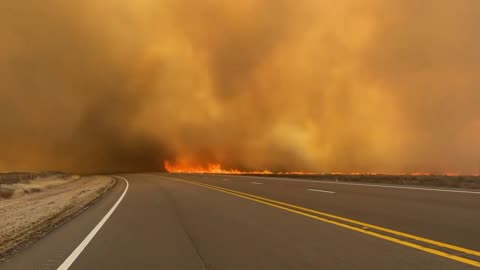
x=54 y=247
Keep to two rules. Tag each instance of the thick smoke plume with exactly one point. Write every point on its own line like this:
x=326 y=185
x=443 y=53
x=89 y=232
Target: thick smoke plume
x=324 y=86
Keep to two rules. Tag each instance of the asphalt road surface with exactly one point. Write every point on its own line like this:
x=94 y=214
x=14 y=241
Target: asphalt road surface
x=161 y=221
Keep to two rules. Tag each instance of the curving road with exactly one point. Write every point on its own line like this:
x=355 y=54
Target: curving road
x=167 y=221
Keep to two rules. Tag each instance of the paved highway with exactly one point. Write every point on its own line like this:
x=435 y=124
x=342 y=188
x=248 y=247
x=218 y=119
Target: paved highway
x=162 y=221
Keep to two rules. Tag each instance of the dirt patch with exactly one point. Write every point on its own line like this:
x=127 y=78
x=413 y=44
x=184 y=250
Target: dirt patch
x=31 y=208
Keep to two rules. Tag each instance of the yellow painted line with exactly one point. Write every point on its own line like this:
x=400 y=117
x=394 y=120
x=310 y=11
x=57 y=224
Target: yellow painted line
x=406 y=235
x=278 y=205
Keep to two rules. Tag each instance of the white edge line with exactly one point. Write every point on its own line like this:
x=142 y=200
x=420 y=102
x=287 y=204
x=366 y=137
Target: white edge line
x=319 y=190
x=399 y=187
x=256 y=183
x=365 y=185
x=71 y=259
x=358 y=184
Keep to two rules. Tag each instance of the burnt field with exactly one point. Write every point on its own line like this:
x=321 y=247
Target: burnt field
x=463 y=182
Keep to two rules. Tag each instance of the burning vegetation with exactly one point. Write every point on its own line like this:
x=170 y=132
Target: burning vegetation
x=213 y=168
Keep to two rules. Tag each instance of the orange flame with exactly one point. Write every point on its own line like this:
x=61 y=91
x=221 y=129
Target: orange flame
x=213 y=168
x=216 y=168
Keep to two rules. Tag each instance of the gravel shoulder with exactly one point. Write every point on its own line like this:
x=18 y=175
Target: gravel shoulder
x=30 y=209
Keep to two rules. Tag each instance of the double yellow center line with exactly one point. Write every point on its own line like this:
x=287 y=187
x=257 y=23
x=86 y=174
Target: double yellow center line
x=444 y=250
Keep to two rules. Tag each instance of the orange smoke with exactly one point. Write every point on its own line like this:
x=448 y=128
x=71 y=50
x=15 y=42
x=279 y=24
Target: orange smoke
x=322 y=86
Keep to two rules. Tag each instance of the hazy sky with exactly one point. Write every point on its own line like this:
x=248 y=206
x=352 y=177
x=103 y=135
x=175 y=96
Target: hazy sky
x=324 y=86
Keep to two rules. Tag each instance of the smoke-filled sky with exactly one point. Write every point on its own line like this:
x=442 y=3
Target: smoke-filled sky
x=286 y=85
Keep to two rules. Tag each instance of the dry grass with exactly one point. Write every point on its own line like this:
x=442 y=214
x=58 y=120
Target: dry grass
x=24 y=187
x=6 y=192
x=29 y=209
